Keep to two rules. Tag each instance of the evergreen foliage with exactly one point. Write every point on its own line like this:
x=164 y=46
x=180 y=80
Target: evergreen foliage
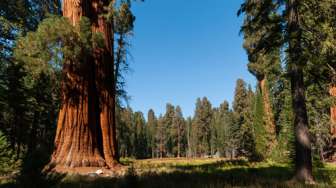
x=291 y=49
x=259 y=130
x=7 y=159
x=202 y=126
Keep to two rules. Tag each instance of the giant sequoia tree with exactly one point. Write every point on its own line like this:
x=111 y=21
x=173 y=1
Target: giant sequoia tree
x=86 y=131
x=262 y=25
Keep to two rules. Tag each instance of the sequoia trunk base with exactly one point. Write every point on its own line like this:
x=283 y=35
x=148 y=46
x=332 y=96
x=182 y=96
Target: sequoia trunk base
x=86 y=132
x=76 y=141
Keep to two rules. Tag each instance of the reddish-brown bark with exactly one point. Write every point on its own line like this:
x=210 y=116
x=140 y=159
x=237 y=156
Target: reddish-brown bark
x=332 y=92
x=104 y=60
x=86 y=135
x=269 y=117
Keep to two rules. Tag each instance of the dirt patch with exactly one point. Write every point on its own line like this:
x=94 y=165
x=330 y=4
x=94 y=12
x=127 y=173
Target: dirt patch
x=116 y=171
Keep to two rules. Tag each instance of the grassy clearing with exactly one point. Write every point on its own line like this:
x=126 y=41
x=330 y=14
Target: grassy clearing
x=196 y=173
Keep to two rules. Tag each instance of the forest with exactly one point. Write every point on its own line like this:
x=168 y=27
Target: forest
x=65 y=118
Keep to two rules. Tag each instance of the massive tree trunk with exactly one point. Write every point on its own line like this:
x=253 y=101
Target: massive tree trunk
x=85 y=135
x=268 y=114
x=303 y=161
x=104 y=59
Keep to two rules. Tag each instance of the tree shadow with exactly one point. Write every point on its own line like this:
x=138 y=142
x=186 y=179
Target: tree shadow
x=238 y=173
x=31 y=174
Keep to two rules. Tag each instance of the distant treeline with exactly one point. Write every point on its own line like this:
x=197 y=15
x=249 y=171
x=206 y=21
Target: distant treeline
x=241 y=130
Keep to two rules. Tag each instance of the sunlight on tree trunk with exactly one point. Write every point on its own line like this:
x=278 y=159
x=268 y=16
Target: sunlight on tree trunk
x=86 y=135
x=269 y=117
x=303 y=157
x=105 y=77
x=332 y=92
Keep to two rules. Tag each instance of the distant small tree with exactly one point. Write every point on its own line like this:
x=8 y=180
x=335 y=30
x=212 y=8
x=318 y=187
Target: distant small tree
x=161 y=137
x=189 y=149
x=202 y=126
x=168 y=119
x=151 y=131
x=242 y=109
x=221 y=136
x=178 y=132
x=140 y=141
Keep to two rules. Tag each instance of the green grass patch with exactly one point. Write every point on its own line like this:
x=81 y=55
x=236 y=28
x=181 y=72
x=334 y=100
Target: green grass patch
x=198 y=173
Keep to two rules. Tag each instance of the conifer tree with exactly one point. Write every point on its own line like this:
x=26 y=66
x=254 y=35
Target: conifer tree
x=161 y=137
x=296 y=62
x=152 y=129
x=189 y=149
x=168 y=127
x=178 y=132
x=140 y=141
x=7 y=160
x=320 y=72
x=19 y=94
x=243 y=127
x=222 y=138
x=202 y=126
x=262 y=25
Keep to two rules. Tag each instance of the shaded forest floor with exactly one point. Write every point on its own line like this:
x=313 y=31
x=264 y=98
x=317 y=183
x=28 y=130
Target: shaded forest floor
x=193 y=173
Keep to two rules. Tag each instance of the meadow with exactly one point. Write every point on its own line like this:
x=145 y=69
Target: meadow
x=182 y=172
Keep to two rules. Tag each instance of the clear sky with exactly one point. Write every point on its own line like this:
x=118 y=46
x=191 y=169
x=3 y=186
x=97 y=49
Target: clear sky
x=184 y=49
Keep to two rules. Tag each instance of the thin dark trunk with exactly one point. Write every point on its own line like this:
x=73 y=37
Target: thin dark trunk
x=118 y=59
x=13 y=136
x=32 y=139
x=178 y=142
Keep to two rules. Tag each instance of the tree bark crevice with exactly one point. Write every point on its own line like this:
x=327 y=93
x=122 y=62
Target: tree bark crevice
x=86 y=135
x=269 y=117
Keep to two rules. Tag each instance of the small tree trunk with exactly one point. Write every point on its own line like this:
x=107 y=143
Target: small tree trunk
x=178 y=142
x=161 y=145
x=32 y=139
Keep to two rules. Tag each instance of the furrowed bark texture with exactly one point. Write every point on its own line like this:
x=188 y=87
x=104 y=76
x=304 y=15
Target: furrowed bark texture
x=269 y=117
x=105 y=80
x=332 y=92
x=85 y=135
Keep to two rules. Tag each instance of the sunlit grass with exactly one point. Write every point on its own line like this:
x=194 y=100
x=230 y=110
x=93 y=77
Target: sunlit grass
x=198 y=173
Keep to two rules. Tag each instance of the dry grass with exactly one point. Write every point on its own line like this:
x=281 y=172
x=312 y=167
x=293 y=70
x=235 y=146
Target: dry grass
x=195 y=173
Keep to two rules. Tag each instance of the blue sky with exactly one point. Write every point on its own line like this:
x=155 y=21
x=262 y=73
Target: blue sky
x=184 y=49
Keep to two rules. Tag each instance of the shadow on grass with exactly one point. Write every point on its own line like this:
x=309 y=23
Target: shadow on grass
x=31 y=175
x=213 y=175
